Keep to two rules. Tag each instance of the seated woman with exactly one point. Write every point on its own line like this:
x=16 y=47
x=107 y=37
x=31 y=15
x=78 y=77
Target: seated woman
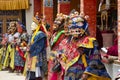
x=112 y=50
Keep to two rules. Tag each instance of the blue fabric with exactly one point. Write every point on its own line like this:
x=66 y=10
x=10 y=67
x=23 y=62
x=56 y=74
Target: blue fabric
x=39 y=44
x=96 y=70
x=18 y=60
x=38 y=48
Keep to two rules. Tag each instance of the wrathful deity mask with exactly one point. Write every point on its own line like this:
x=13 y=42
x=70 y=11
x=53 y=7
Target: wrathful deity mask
x=76 y=26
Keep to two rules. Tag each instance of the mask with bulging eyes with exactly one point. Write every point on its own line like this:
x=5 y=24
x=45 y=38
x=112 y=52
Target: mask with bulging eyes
x=77 y=26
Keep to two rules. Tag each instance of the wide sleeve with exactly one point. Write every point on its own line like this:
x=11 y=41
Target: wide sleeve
x=38 y=45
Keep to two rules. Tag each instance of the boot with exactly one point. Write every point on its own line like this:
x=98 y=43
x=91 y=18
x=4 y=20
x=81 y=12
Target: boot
x=39 y=78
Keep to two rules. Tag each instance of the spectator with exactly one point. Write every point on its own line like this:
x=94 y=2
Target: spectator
x=112 y=50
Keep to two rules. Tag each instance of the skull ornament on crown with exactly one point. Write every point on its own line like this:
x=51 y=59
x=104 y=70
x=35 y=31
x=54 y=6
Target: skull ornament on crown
x=76 y=25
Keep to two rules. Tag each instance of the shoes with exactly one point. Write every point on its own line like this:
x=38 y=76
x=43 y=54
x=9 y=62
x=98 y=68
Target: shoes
x=18 y=72
x=11 y=71
x=4 y=69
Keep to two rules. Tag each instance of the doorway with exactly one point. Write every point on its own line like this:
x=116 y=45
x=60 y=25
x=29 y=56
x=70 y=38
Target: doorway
x=75 y=4
x=7 y=16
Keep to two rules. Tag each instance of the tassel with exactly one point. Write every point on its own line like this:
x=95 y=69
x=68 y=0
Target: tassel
x=84 y=60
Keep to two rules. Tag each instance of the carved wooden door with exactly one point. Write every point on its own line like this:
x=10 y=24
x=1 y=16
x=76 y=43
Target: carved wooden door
x=6 y=17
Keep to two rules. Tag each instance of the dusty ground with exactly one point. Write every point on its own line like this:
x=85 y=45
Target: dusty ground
x=5 y=75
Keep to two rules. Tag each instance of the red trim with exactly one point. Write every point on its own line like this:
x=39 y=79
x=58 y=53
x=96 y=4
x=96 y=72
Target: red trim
x=21 y=54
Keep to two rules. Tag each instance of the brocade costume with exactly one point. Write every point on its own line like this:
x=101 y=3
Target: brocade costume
x=56 y=38
x=77 y=54
x=38 y=56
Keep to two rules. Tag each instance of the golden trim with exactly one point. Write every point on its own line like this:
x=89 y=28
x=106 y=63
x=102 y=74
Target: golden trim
x=14 y=4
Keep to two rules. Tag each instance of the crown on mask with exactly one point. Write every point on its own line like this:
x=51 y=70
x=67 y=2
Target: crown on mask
x=36 y=18
x=75 y=24
x=59 y=18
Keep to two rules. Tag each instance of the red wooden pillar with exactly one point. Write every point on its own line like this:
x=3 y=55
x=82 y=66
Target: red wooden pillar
x=88 y=7
x=48 y=11
x=119 y=29
x=38 y=5
x=64 y=6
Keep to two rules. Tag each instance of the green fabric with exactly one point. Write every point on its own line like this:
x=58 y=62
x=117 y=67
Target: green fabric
x=57 y=36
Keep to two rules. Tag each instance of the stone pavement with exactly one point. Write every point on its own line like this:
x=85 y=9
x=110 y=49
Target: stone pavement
x=5 y=75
